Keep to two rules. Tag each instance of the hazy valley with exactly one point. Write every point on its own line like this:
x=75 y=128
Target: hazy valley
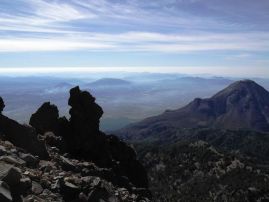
x=125 y=97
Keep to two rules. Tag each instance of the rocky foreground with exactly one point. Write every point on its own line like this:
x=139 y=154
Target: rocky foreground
x=196 y=171
x=56 y=159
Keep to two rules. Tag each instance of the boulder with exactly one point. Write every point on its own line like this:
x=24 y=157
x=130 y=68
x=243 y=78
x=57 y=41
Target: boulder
x=30 y=160
x=100 y=194
x=45 y=118
x=3 y=150
x=10 y=174
x=36 y=188
x=69 y=190
x=52 y=140
x=13 y=160
x=22 y=136
x=5 y=195
x=25 y=185
x=67 y=164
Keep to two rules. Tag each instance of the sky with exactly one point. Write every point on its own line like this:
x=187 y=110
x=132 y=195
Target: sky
x=217 y=37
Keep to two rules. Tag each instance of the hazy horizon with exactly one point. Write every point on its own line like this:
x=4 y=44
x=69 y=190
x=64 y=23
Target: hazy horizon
x=117 y=71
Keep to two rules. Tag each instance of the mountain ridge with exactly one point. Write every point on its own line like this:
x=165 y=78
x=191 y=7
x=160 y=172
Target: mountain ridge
x=242 y=105
x=109 y=82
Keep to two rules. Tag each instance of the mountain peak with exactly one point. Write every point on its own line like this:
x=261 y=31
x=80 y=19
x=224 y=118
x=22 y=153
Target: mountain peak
x=242 y=88
x=244 y=83
x=242 y=105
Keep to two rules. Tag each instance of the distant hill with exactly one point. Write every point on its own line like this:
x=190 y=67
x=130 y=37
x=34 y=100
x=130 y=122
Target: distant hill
x=242 y=105
x=110 y=82
x=63 y=85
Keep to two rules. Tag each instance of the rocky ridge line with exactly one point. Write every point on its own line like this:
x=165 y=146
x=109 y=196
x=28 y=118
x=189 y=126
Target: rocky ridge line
x=67 y=160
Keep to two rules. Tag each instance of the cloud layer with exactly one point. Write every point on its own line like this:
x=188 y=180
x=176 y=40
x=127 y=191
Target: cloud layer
x=204 y=33
x=132 y=25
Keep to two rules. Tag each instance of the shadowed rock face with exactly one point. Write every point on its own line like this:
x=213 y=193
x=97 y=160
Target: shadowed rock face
x=85 y=113
x=128 y=165
x=2 y=105
x=45 y=119
x=86 y=141
x=83 y=139
x=22 y=136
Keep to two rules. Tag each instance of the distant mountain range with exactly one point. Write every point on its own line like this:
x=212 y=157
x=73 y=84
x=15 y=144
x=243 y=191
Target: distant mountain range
x=110 y=82
x=242 y=105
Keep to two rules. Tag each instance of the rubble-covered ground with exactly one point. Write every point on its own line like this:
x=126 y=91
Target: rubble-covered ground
x=195 y=171
x=23 y=177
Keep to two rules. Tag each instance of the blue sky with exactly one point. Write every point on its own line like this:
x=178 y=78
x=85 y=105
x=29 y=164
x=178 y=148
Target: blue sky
x=219 y=37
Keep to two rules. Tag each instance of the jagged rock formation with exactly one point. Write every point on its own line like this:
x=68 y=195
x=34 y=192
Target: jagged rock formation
x=22 y=136
x=82 y=138
x=79 y=162
x=242 y=105
x=45 y=119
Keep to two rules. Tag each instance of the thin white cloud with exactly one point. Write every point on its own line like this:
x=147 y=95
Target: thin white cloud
x=26 y=45
x=57 y=11
x=47 y=26
x=46 y=16
x=139 y=42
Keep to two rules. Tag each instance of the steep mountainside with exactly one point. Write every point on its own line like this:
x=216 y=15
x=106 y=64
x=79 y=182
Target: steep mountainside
x=213 y=149
x=242 y=105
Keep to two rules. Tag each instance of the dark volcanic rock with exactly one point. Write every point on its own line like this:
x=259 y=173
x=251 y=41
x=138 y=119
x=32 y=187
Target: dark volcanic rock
x=30 y=160
x=45 y=118
x=69 y=191
x=36 y=187
x=86 y=110
x=128 y=164
x=84 y=139
x=2 y=105
x=80 y=137
x=66 y=164
x=5 y=195
x=10 y=174
x=103 y=168
x=22 y=136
